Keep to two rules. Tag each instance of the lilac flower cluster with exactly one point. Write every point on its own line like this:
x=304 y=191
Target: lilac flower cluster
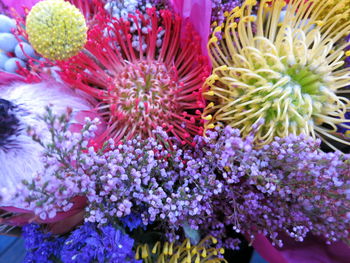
x=63 y=177
x=153 y=178
x=288 y=186
x=87 y=243
x=146 y=177
x=222 y=183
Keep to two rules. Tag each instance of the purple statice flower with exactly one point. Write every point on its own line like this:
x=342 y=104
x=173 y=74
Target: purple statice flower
x=287 y=186
x=40 y=246
x=89 y=243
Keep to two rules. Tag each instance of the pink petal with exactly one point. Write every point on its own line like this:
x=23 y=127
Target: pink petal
x=8 y=78
x=313 y=249
x=199 y=14
x=264 y=247
x=19 y=5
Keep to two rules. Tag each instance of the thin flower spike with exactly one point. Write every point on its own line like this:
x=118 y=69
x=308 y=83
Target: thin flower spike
x=139 y=82
x=284 y=76
x=204 y=252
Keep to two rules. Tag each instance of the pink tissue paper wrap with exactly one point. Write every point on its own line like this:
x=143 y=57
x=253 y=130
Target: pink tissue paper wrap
x=199 y=14
x=19 y=5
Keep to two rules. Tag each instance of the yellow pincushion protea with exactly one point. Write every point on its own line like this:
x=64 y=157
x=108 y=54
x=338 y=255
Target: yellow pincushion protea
x=282 y=76
x=337 y=7
x=56 y=29
x=184 y=253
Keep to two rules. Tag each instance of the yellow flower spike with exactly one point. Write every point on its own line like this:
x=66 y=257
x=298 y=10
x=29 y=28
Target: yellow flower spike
x=217 y=29
x=208 y=117
x=145 y=252
x=211 y=104
x=171 y=249
x=184 y=253
x=156 y=247
x=188 y=244
x=166 y=249
x=285 y=77
x=189 y=257
x=209 y=93
x=56 y=29
x=137 y=253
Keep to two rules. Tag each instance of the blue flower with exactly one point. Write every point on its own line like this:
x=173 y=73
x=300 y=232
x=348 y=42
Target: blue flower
x=40 y=247
x=91 y=244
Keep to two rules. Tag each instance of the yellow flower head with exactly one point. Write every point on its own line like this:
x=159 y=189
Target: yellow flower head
x=56 y=29
x=339 y=7
x=184 y=253
x=283 y=75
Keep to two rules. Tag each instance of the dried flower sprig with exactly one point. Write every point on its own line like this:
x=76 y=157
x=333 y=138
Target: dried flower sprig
x=288 y=186
x=135 y=176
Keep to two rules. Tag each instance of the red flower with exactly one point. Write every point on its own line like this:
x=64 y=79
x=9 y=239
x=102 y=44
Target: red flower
x=141 y=81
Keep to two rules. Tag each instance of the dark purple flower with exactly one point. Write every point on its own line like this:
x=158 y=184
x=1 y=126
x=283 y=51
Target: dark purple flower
x=40 y=246
x=89 y=243
x=132 y=221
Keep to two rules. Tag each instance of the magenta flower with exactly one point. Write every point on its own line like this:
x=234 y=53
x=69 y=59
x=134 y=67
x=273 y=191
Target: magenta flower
x=19 y=5
x=199 y=14
x=313 y=249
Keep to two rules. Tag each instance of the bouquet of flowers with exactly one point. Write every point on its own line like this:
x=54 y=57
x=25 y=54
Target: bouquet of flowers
x=175 y=131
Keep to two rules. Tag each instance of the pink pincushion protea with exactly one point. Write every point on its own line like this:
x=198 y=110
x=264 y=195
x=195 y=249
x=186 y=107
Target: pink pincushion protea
x=140 y=82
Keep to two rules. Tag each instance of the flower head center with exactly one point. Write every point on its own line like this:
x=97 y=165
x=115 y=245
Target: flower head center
x=143 y=87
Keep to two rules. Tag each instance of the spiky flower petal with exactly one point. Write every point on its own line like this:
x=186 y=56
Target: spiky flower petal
x=284 y=77
x=56 y=29
x=141 y=84
x=185 y=252
x=336 y=8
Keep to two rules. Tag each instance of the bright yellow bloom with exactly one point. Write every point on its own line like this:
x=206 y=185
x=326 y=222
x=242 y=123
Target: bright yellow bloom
x=284 y=75
x=56 y=29
x=340 y=8
x=184 y=253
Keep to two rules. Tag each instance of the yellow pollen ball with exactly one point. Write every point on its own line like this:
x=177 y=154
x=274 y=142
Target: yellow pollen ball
x=56 y=29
